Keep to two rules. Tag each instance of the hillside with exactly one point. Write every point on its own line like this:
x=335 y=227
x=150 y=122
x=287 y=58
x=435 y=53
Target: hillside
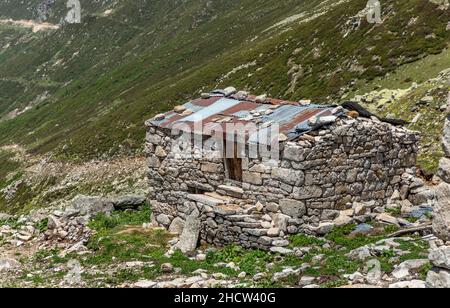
x=75 y=183
x=83 y=91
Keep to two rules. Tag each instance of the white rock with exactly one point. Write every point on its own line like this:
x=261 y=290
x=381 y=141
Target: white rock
x=440 y=257
x=306 y=281
x=145 y=284
x=413 y=284
x=8 y=264
x=438 y=278
x=386 y=218
x=281 y=250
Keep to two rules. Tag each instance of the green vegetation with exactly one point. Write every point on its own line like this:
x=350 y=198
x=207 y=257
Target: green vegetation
x=93 y=85
x=124 y=68
x=120 y=239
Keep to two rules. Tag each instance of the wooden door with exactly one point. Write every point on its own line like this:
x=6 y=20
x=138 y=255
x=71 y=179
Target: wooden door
x=234 y=165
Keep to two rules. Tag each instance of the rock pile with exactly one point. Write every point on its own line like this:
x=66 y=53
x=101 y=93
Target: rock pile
x=65 y=227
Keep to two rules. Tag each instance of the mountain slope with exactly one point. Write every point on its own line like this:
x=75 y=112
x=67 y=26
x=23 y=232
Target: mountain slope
x=84 y=91
x=111 y=72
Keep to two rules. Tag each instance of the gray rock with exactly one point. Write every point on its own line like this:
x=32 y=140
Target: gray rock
x=53 y=223
x=444 y=169
x=306 y=281
x=386 y=218
x=292 y=208
x=281 y=250
x=441 y=221
x=145 y=284
x=288 y=176
x=362 y=229
x=413 y=284
x=177 y=226
x=167 y=268
x=361 y=253
x=128 y=202
x=280 y=222
x=322 y=229
x=189 y=237
x=91 y=206
x=403 y=270
x=438 y=278
x=374 y=275
x=440 y=257
x=280 y=243
x=426 y=100
x=8 y=265
x=4 y=216
x=422 y=195
x=163 y=219
x=446 y=138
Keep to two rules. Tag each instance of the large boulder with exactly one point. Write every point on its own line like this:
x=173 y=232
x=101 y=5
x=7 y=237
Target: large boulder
x=128 y=202
x=441 y=221
x=91 y=206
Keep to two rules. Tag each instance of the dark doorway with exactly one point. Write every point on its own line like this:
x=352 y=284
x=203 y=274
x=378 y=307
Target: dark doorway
x=234 y=164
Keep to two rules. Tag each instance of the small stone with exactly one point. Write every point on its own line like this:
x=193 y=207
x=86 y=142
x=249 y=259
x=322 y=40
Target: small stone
x=363 y=229
x=306 y=281
x=273 y=232
x=179 y=109
x=167 y=268
x=374 y=275
x=8 y=264
x=177 y=226
x=259 y=207
x=53 y=223
x=281 y=250
x=201 y=257
x=342 y=220
x=357 y=277
x=242 y=275
x=280 y=243
x=426 y=100
x=145 y=284
x=163 y=219
x=413 y=284
x=159 y=117
x=323 y=228
x=361 y=253
x=386 y=218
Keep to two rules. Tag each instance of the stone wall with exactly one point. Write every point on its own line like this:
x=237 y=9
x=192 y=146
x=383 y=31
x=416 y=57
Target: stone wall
x=317 y=178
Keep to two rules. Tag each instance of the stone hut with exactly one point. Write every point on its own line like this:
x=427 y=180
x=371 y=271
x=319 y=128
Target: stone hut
x=321 y=160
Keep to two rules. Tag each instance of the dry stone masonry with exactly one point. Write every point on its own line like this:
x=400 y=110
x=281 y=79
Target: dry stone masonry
x=344 y=171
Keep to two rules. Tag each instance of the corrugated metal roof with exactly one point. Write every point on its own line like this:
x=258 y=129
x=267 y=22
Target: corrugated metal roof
x=217 y=110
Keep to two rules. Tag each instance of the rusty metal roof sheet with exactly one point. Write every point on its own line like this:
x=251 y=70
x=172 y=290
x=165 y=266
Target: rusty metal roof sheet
x=217 y=110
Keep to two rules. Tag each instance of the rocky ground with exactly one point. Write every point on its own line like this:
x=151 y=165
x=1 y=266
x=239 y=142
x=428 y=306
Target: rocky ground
x=30 y=181
x=101 y=242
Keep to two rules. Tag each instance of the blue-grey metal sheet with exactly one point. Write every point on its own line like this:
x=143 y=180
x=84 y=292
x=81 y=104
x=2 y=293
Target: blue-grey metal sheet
x=206 y=112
